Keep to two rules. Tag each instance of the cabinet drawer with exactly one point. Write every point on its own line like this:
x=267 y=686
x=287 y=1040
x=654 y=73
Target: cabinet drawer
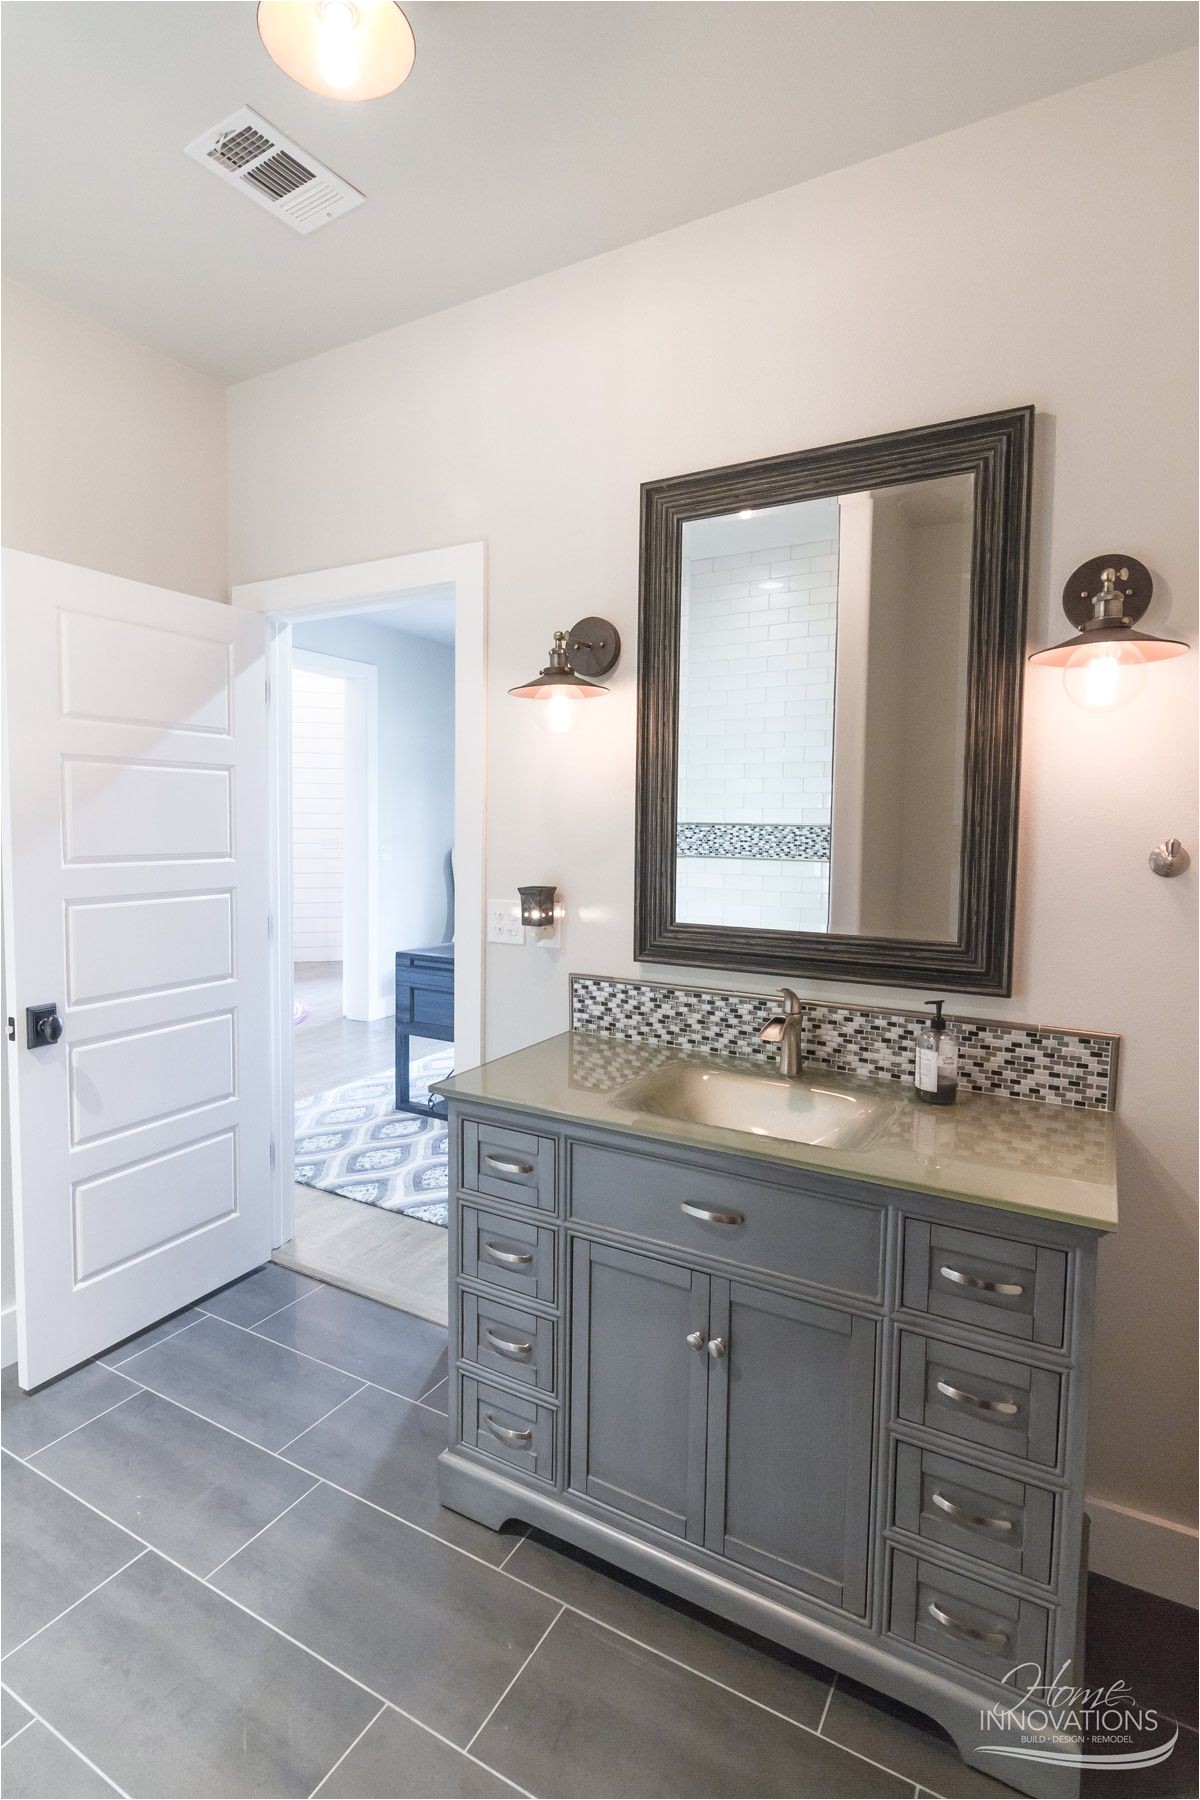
x=981 y=1398
x=516 y=1344
x=508 y=1165
x=970 y=1622
x=997 y=1284
x=515 y=1254
x=514 y=1430
x=835 y=1244
x=1007 y=1523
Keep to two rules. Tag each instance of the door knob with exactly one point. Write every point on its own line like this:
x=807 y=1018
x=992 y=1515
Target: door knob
x=717 y=1347
x=696 y=1339
x=42 y=1026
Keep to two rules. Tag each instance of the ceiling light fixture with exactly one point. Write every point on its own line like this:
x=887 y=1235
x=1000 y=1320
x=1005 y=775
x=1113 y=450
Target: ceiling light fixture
x=343 y=49
x=1104 y=664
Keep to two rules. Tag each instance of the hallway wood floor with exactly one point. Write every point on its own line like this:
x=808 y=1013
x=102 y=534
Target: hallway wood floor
x=398 y=1261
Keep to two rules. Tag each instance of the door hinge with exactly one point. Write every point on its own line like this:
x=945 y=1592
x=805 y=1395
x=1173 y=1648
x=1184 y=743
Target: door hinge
x=12 y=1029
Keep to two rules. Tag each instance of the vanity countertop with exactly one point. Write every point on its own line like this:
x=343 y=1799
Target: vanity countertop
x=1053 y=1162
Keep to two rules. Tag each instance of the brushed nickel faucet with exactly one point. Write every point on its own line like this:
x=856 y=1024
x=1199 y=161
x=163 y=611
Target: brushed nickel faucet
x=785 y=1029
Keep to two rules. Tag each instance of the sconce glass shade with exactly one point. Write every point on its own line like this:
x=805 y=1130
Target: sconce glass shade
x=537 y=906
x=342 y=49
x=1103 y=677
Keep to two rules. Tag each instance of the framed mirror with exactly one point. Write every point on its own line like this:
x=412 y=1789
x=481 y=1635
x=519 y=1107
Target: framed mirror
x=829 y=697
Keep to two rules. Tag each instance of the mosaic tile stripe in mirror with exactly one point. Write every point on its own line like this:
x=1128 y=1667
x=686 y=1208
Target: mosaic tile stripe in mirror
x=996 y=1056
x=763 y=843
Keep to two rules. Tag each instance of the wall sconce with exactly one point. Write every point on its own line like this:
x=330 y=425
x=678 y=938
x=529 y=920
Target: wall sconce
x=537 y=907
x=590 y=648
x=1104 y=664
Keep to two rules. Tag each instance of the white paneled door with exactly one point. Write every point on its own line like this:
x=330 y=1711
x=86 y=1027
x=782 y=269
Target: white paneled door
x=136 y=908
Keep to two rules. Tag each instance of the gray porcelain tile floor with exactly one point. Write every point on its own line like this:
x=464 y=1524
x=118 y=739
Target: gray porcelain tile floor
x=227 y=1573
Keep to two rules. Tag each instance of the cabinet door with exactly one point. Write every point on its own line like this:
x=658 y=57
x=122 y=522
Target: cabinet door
x=791 y=1427
x=638 y=1388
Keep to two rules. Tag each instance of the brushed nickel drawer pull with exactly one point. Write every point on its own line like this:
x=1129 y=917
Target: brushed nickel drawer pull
x=508 y=1346
x=709 y=1216
x=957 y=1628
x=509 y=1165
x=505 y=1433
x=960 y=1515
x=508 y=1259
x=1012 y=1289
x=961 y=1397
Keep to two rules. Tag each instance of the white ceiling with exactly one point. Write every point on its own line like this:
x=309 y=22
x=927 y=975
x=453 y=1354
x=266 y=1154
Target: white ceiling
x=527 y=138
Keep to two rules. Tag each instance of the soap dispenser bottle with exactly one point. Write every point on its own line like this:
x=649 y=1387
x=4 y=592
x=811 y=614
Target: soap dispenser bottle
x=937 y=1060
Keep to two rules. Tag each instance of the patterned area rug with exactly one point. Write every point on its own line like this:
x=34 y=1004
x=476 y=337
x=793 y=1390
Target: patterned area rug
x=351 y=1141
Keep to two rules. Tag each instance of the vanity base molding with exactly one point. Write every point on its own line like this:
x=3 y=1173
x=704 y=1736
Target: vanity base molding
x=846 y=1416
x=492 y=1499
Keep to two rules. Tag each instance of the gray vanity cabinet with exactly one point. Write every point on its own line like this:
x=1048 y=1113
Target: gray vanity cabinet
x=849 y=1417
x=639 y=1387
x=791 y=1422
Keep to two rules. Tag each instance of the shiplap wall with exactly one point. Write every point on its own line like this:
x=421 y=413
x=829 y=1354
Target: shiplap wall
x=318 y=814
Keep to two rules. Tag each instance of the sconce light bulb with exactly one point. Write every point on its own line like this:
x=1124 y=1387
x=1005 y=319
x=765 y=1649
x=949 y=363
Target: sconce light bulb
x=1104 y=677
x=557 y=714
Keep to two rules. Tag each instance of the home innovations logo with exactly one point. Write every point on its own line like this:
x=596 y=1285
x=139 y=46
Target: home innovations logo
x=1075 y=1727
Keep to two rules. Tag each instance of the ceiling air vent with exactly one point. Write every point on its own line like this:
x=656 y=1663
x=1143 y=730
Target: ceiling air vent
x=267 y=167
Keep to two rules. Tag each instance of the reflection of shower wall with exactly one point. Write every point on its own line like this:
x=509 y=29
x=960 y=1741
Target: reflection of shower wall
x=756 y=726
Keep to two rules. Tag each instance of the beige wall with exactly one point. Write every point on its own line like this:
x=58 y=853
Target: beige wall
x=113 y=455
x=961 y=274
x=114 y=458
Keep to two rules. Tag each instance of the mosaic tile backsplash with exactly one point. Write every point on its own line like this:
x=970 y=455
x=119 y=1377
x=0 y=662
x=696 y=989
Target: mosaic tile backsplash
x=1021 y=1062
x=768 y=843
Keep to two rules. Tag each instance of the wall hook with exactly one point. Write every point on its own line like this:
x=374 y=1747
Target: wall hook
x=1169 y=857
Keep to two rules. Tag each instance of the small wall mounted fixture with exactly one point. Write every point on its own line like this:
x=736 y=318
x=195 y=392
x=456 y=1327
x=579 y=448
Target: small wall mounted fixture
x=1104 y=664
x=342 y=49
x=537 y=907
x=590 y=648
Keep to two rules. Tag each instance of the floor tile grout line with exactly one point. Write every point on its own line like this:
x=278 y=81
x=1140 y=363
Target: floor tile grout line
x=79 y=1602
x=345 y=1401
x=502 y=1566
x=14 y=1735
x=123 y=1401
x=250 y=1540
x=349 y=1747
x=562 y=1605
x=115 y=1368
x=350 y=1374
x=37 y=1719
x=512 y=1684
x=286 y=1307
x=827 y=1705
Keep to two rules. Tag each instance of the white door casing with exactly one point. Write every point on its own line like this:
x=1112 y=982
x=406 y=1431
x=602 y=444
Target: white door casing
x=136 y=899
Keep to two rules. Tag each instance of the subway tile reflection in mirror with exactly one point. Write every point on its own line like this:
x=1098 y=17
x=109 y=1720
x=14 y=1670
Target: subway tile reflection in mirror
x=822 y=712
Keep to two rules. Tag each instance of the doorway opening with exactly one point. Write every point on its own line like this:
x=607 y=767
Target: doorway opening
x=395 y=861
x=372 y=931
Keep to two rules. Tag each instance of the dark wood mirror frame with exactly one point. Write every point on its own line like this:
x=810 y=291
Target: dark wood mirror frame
x=997 y=448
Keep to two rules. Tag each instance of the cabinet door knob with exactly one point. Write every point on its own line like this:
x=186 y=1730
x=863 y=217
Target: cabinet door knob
x=717 y=1347
x=696 y=1339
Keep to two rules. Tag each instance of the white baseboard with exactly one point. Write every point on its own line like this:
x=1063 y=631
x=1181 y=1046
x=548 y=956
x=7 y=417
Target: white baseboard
x=1143 y=1551
x=8 y=1336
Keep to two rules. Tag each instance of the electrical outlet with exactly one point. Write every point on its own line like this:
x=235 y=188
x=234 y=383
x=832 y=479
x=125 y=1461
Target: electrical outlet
x=504 y=922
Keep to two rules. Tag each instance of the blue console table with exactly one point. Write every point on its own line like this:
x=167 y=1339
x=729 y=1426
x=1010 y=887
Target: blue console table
x=424 y=1009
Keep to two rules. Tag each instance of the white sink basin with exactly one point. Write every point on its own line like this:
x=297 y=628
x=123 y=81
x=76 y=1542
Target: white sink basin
x=803 y=1111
